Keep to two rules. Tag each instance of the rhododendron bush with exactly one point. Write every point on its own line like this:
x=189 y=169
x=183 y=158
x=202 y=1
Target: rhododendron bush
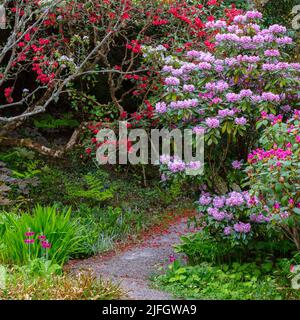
x=225 y=92
x=273 y=200
x=242 y=90
x=273 y=171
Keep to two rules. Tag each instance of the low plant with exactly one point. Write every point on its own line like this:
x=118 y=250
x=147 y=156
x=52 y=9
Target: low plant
x=27 y=236
x=226 y=282
x=205 y=247
x=90 y=188
x=102 y=227
x=83 y=286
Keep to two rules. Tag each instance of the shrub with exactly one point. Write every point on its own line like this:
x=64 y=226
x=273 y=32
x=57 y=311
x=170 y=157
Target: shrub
x=223 y=94
x=270 y=210
x=202 y=247
x=206 y=246
x=273 y=172
x=23 y=235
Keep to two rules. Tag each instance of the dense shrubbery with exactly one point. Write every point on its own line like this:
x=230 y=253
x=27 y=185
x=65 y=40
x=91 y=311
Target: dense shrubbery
x=277 y=11
x=224 y=94
x=243 y=97
x=203 y=65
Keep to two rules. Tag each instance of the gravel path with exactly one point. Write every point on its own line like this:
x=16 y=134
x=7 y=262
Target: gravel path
x=132 y=267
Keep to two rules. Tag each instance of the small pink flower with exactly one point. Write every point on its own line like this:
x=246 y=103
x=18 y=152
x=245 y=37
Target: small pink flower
x=29 y=234
x=276 y=205
x=237 y=164
x=46 y=244
x=29 y=241
x=172 y=258
x=292 y=268
x=42 y=237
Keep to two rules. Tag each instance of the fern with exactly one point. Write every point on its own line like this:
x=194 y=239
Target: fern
x=17 y=153
x=49 y=122
x=92 y=188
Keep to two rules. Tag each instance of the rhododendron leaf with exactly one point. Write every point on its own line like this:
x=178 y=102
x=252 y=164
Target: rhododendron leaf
x=278 y=187
x=296 y=210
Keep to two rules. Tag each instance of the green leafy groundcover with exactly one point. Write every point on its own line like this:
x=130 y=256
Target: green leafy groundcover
x=246 y=281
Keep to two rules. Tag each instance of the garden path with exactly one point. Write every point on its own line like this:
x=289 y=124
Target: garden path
x=133 y=266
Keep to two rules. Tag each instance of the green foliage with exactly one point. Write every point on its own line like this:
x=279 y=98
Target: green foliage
x=103 y=227
x=227 y=282
x=91 y=188
x=88 y=104
x=203 y=247
x=200 y=246
x=57 y=226
x=17 y=178
x=38 y=267
x=16 y=155
x=275 y=11
x=49 y=122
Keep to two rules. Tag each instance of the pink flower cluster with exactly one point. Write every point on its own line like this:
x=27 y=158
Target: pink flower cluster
x=172 y=81
x=162 y=107
x=225 y=210
x=43 y=241
x=219 y=86
x=265 y=155
x=242 y=227
x=177 y=165
x=238 y=33
x=280 y=66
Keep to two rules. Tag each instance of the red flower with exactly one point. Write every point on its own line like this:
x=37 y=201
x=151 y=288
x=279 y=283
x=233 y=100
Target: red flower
x=212 y=3
x=7 y=93
x=27 y=37
x=125 y=16
x=123 y=115
x=88 y=151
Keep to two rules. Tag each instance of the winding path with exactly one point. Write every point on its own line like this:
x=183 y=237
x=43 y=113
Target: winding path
x=133 y=267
